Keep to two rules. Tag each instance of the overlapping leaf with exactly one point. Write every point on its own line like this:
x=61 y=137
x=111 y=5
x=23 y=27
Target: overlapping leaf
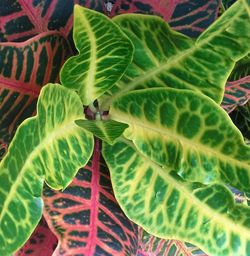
x=24 y=68
x=104 y=54
x=237 y=93
x=40 y=150
x=188 y=17
x=165 y=58
x=86 y=217
x=154 y=246
x=187 y=132
x=21 y=20
x=41 y=243
x=166 y=206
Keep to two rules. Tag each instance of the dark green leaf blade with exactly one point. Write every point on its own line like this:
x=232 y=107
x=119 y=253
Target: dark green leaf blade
x=40 y=150
x=106 y=130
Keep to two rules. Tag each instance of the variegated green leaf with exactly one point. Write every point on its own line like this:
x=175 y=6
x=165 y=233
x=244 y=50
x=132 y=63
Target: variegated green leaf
x=40 y=150
x=166 y=206
x=187 y=132
x=104 y=54
x=166 y=58
x=107 y=130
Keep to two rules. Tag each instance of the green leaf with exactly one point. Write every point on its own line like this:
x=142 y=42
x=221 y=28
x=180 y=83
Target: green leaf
x=166 y=206
x=41 y=149
x=104 y=54
x=187 y=132
x=247 y=6
x=166 y=58
x=106 y=130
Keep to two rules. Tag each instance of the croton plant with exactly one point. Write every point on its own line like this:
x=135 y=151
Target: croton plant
x=130 y=149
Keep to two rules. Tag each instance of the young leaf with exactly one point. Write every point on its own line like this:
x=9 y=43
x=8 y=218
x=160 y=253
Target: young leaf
x=107 y=130
x=188 y=17
x=187 y=132
x=166 y=206
x=165 y=58
x=104 y=54
x=40 y=150
x=86 y=217
x=237 y=93
x=41 y=243
x=24 y=69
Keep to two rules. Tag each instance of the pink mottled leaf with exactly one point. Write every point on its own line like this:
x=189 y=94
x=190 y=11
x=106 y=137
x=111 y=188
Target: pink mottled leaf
x=41 y=243
x=23 y=19
x=86 y=217
x=190 y=17
x=152 y=246
x=237 y=93
x=24 y=68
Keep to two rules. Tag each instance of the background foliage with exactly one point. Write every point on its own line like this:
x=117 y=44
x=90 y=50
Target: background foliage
x=29 y=64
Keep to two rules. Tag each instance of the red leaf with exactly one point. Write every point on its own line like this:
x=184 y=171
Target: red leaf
x=24 y=68
x=86 y=217
x=237 y=93
x=23 y=19
x=153 y=246
x=41 y=243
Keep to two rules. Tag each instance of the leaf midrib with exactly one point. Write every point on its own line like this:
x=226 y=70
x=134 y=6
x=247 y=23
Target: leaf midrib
x=88 y=88
x=132 y=121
